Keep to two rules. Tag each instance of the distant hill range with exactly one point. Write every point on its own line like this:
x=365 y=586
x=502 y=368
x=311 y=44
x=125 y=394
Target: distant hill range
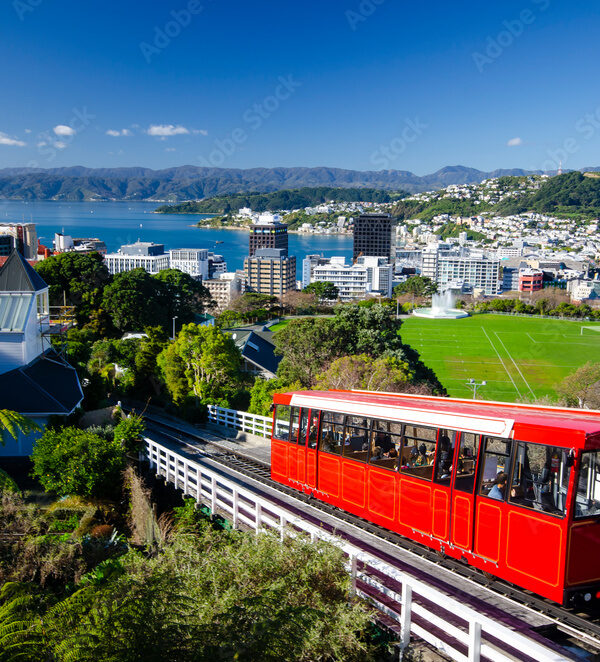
x=194 y=183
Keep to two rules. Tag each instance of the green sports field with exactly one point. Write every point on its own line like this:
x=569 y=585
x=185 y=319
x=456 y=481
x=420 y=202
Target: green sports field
x=518 y=356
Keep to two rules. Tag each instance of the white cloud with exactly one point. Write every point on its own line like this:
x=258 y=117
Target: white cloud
x=117 y=132
x=13 y=142
x=164 y=130
x=63 y=130
x=515 y=142
x=170 y=149
x=202 y=132
x=27 y=130
x=42 y=143
x=59 y=144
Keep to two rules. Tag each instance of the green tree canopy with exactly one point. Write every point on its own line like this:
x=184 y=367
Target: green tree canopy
x=417 y=286
x=323 y=290
x=136 y=300
x=78 y=279
x=203 y=361
x=186 y=295
x=71 y=461
x=252 y=301
x=361 y=371
x=262 y=391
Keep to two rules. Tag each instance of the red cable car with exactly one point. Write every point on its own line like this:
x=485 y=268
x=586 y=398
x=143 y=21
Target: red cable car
x=513 y=489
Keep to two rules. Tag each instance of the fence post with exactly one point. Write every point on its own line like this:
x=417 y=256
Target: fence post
x=257 y=516
x=474 y=652
x=213 y=496
x=234 y=505
x=405 y=617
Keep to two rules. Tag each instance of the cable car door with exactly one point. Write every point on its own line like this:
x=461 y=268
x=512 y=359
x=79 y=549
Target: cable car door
x=442 y=487
x=463 y=489
x=311 y=449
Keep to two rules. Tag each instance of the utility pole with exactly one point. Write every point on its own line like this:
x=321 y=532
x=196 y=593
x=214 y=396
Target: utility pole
x=174 y=327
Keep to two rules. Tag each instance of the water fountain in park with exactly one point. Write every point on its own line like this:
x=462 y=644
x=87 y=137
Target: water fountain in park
x=442 y=308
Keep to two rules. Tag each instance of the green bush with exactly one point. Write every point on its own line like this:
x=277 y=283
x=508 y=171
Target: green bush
x=78 y=462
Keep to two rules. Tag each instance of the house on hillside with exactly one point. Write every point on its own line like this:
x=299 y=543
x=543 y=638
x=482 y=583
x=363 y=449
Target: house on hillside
x=258 y=350
x=34 y=379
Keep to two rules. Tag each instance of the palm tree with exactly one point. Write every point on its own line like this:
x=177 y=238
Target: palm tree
x=13 y=423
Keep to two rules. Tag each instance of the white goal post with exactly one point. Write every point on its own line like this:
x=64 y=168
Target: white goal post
x=591 y=328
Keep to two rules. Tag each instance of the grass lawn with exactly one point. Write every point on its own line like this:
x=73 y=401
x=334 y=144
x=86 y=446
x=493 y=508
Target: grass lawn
x=517 y=356
x=278 y=326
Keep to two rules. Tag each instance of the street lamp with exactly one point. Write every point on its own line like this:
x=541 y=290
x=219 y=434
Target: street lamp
x=174 y=326
x=475 y=385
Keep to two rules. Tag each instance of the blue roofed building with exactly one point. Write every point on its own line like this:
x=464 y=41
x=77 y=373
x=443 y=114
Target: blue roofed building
x=35 y=380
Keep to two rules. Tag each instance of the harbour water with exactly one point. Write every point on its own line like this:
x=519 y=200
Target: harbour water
x=118 y=223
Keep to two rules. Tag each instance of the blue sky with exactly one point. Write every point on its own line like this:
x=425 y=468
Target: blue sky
x=361 y=84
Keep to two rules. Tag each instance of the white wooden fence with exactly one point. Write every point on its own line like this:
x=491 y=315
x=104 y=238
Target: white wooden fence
x=440 y=620
x=241 y=420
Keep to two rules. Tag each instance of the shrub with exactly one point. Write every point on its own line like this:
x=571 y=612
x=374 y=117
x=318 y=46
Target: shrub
x=78 y=462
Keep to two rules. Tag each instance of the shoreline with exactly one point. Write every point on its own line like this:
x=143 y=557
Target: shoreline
x=247 y=229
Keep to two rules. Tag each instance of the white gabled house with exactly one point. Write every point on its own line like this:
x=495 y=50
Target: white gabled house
x=34 y=379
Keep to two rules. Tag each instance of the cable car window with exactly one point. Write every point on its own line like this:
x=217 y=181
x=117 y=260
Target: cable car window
x=467 y=462
x=540 y=478
x=495 y=466
x=295 y=424
x=282 y=422
x=313 y=434
x=386 y=442
x=587 y=498
x=332 y=432
x=356 y=438
x=418 y=451
x=303 y=427
x=445 y=456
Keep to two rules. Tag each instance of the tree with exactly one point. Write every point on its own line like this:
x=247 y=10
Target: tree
x=187 y=296
x=582 y=388
x=361 y=371
x=71 y=461
x=78 y=279
x=261 y=394
x=13 y=424
x=250 y=302
x=203 y=361
x=306 y=345
x=136 y=300
x=323 y=290
x=146 y=368
x=416 y=286
x=128 y=433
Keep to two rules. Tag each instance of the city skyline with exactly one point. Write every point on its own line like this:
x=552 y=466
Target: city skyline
x=364 y=85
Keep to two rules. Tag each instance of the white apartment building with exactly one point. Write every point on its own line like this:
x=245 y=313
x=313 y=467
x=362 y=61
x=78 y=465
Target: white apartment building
x=142 y=254
x=224 y=289
x=478 y=271
x=356 y=281
x=192 y=261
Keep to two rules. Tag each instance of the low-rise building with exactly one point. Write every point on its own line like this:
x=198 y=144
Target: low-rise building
x=140 y=255
x=224 y=289
x=370 y=275
x=192 y=261
x=531 y=280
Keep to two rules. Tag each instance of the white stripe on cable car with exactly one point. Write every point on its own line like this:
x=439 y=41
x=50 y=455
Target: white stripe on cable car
x=498 y=427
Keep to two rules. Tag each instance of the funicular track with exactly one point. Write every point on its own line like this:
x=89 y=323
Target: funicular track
x=581 y=626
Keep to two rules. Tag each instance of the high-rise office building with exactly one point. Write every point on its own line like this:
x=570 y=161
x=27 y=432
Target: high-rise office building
x=267 y=232
x=24 y=238
x=270 y=271
x=373 y=236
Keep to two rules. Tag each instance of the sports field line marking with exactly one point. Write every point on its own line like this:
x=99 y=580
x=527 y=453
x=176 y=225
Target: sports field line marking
x=501 y=361
x=532 y=340
x=514 y=363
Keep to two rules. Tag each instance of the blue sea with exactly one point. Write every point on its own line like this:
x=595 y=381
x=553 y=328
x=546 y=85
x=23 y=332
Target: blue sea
x=118 y=223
